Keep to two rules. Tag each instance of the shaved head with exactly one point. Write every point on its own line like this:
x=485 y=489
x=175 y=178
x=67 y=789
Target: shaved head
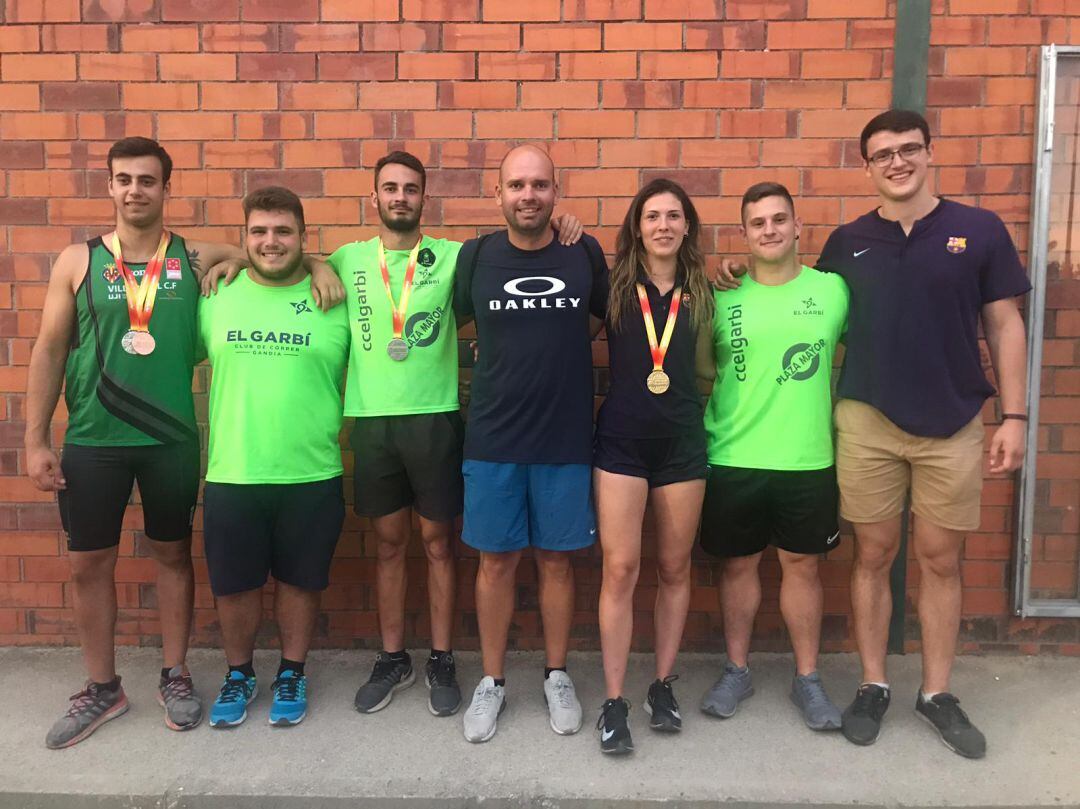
x=513 y=157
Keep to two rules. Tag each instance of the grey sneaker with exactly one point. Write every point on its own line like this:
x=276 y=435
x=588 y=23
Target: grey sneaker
x=444 y=698
x=482 y=718
x=732 y=688
x=90 y=709
x=387 y=677
x=176 y=694
x=562 y=702
x=808 y=694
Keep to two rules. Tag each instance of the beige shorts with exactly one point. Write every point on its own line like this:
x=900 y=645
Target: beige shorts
x=877 y=462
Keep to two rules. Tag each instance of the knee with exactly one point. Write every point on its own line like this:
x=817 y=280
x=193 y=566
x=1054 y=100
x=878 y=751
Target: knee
x=941 y=565
x=91 y=568
x=673 y=572
x=438 y=548
x=621 y=574
x=554 y=565
x=874 y=557
x=498 y=566
x=740 y=568
x=172 y=555
x=390 y=550
x=802 y=567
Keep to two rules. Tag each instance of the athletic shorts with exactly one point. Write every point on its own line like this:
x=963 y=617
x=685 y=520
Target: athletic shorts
x=99 y=481
x=511 y=506
x=408 y=461
x=659 y=460
x=877 y=463
x=746 y=510
x=288 y=530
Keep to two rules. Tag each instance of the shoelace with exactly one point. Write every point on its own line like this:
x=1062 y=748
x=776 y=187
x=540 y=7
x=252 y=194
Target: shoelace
x=865 y=703
x=667 y=694
x=814 y=693
x=233 y=691
x=564 y=692
x=950 y=706
x=178 y=688
x=384 y=669
x=443 y=671
x=82 y=701
x=287 y=689
x=482 y=701
x=608 y=707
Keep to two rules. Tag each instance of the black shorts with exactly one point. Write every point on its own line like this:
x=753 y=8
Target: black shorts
x=288 y=530
x=659 y=460
x=746 y=510
x=408 y=461
x=99 y=481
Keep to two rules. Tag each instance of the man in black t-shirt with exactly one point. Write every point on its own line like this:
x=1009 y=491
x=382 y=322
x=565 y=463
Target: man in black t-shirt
x=529 y=434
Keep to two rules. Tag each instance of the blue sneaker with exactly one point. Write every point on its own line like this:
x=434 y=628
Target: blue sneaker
x=290 y=699
x=230 y=707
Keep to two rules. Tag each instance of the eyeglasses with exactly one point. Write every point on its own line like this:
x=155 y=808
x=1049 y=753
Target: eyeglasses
x=907 y=152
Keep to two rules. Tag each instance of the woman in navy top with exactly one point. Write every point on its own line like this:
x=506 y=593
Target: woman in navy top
x=650 y=439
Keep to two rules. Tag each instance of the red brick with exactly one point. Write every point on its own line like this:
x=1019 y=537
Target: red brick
x=126 y=67
x=980 y=121
x=120 y=10
x=600 y=123
x=336 y=125
x=688 y=123
x=875 y=95
x=749 y=35
x=415 y=95
x=634 y=36
x=25 y=97
x=240 y=154
x=841 y=65
x=756 y=123
x=357 y=67
x=633 y=153
x=602 y=9
x=958 y=7
x=321 y=95
x=38 y=126
x=21 y=11
x=641 y=94
x=872 y=33
x=200 y=10
x=81 y=96
x=46 y=184
x=436 y=66
x=274 y=125
x=759 y=64
x=717 y=94
x=527 y=125
x=197 y=66
x=240 y=38
x=320 y=38
x=681 y=65
x=804 y=94
x=957 y=30
x=515 y=10
x=160 y=38
x=475 y=95
x=37 y=67
x=520 y=66
x=315 y=154
x=986 y=61
x=560 y=95
x=400 y=37
x=434 y=124
x=359 y=10
x=622 y=65
x=276 y=67
x=440 y=10
x=20 y=39
x=827 y=9
x=686 y=10
x=280 y=10
x=806 y=35
x=562 y=37
x=239 y=96
x=31 y=594
x=765 y=9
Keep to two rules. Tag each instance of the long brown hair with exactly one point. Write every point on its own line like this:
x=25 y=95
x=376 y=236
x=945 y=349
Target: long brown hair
x=630 y=258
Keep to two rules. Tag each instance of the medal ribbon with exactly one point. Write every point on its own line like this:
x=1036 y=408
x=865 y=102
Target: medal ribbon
x=406 y=286
x=659 y=351
x=141 y=296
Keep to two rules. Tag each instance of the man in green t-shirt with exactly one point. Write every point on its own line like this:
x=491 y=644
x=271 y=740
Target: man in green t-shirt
x=772 y=478
x=273 y=502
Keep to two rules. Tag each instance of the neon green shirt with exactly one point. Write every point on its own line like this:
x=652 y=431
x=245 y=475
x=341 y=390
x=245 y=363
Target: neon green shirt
x=275 y=396
x=427 y=380
x=771 y=406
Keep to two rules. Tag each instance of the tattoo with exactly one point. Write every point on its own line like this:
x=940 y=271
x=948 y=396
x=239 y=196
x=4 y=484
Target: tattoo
x=193 y=260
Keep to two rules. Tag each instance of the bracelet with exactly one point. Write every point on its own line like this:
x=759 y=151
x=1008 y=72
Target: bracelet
x=1017 y=416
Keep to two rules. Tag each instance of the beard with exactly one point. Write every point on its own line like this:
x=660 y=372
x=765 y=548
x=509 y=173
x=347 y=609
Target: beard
x=400 y=224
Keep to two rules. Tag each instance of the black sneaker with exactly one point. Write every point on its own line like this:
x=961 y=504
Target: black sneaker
x=387 y=676
x=444 y=698
x=614 y=727
x=861 y=722
x=952 y=724
x=662 y=706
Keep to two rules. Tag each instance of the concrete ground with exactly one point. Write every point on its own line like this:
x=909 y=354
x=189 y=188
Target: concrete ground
x=1029 y=709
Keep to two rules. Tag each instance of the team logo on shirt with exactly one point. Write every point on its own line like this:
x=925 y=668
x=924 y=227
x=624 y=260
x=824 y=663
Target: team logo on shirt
x=425 y=258
x=172 y=269
x=300 y=307
x=810 y=307
x=800 y=362
x=110 y=274
x=422 y=328
x=956 y=244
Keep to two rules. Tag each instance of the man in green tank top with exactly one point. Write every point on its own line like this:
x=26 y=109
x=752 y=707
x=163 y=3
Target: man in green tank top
x=772 y=478
x=273 y=501
x=118 y=332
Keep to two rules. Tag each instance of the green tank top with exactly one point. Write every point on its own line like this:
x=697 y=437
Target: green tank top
x=119 y=399
x=427 y=380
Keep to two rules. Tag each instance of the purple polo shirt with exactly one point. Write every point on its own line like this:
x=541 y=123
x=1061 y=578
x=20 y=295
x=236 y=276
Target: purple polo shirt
x=912 y=344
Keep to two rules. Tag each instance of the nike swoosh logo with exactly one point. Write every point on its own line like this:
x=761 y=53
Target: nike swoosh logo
x=833 y=538
x=860 y=252
x=676 y=715
x=607 y=734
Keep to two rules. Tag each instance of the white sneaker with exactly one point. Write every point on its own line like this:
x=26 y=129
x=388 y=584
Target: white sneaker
x=481 y=720
x=563 y=706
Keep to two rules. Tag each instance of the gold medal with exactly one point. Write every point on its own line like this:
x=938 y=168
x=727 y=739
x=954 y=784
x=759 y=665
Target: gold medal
x=658 y=382
x=398 y=349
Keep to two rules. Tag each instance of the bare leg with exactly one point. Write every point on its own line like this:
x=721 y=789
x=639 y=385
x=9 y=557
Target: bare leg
x=620 y=509
x=392 y=540
x=678 y=509
x=240 y=615
x=176 y=597
x=938 y=551
x=801 y=603
x=740 y=597
x=495 y=607
x=296 y=610
x=556 y=576
x=95 y=609
x=438 y=538
x=876 y=545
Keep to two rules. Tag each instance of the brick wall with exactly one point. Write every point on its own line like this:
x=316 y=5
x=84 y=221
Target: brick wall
x=307 y=93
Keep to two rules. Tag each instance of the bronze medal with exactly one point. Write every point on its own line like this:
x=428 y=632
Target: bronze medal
x=144 y=343
x=398 y=349
x=658 y=382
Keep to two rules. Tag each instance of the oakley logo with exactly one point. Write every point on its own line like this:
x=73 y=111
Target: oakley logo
x=535 y=286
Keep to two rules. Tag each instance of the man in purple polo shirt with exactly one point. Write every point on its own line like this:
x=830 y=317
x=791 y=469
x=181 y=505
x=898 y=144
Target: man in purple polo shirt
x=922 y=271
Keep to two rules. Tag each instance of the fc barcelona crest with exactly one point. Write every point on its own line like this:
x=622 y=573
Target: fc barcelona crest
x=956 y=244
x=110 y=274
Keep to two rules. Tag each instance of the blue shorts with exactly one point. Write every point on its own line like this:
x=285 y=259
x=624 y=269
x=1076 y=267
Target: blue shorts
x=511 y=506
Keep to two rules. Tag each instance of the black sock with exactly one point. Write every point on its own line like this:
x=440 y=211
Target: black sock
x=296 y=665
x=111 y=685
x=398 y=657
x=165 y=672
x=499 y=680
x=549 y=669
x=247 y=669
x=437 y=653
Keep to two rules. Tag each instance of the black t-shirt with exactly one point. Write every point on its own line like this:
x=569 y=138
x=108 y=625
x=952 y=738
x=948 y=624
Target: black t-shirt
x=912 y=339
x=630 y=410
x=532 y=386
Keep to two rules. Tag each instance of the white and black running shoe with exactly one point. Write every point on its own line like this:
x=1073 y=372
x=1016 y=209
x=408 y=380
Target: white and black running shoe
x=614 y=727
x=662 y=706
